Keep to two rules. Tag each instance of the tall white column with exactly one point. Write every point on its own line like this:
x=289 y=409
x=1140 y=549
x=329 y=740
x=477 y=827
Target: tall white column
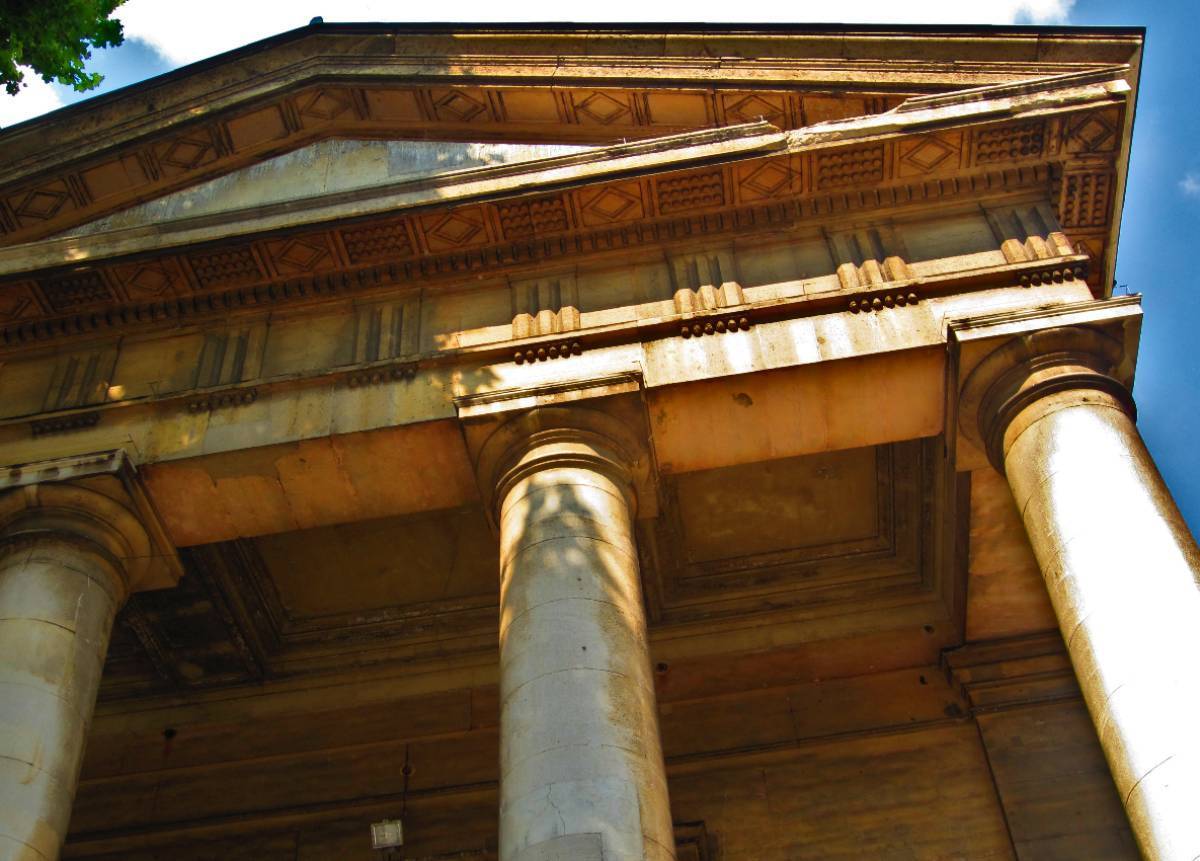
x=1121 y=567
x=582 y=772
x=66 y=556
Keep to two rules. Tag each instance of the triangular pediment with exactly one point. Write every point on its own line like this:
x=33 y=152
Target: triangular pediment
x=452 y=83
x=328 y=167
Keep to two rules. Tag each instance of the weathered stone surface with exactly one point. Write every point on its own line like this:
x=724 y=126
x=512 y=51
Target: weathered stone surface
x=581 y=767
x=762 y=260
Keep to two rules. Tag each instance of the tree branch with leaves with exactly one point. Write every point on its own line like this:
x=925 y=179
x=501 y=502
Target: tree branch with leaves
x=55 y=38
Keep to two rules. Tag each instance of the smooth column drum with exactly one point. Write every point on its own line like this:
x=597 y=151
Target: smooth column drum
x=1123 y=572
x=58 y=599
x=582 y=772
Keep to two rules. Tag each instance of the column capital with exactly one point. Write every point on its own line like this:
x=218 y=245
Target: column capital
x=94 y=500
x=1073 y=363
x=553 y=437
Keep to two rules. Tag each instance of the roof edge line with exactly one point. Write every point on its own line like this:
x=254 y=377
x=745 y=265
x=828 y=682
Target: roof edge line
x=1043 y=84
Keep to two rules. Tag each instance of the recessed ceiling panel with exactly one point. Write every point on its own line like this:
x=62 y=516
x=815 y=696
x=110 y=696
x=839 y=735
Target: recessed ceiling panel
x=778 y=505
x=789 y=533
x=380 y=564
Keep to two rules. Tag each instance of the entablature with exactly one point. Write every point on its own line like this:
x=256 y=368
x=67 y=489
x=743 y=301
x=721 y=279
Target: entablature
x=627 y=310
x=1062 y=139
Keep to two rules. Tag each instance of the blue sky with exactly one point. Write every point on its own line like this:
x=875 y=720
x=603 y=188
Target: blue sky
x=1162 y=206
x=1159 y=228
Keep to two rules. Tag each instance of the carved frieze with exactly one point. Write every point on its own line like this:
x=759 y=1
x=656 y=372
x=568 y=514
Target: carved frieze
x=377 y=242
x=1012 y=142
x=463 y=227
x=17 y=302
x=697 y=190
x=301 y=255
x=41 y=203
x=747 y=107
x=533 y=217
x=935 y=153
x=613 y=203
x=1093 y=132
x=763 y=179
x=185 y=154
x=842 y=167
x=44 y=205
x=80 y=289
x=228 y=267
x=612 y=216
x=148 y=280
x=604 y=108
x=1084 y=198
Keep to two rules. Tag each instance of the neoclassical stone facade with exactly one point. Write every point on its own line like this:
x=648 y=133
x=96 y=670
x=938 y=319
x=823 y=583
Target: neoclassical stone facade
x=627 y=443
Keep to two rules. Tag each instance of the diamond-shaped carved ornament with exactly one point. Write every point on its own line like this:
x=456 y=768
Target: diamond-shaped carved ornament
x=325 y=105
x=753 y=108
x=149 y=280
x=301 y=255
x=455 y=229
x=1094 y=133
x=768 y=179
x=15 y=304
x=41 y=203
x=459 y=105
x=929 y=153
x=613 y=205
x=187 y=153
x=601 y=108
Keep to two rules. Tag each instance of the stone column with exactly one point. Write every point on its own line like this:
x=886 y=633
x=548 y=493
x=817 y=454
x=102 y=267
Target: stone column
x=581 y=767
x=1122 y=569
x=63 y=575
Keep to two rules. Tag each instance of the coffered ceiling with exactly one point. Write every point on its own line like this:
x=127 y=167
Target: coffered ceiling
x=761 y=544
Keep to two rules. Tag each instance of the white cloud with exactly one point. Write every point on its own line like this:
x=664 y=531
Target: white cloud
x=36 y=98
x=186 y=35
x=1190 y=184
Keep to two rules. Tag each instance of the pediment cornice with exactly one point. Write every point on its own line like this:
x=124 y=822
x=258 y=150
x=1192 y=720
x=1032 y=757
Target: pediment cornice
x=1061 y=141
x=595 y=85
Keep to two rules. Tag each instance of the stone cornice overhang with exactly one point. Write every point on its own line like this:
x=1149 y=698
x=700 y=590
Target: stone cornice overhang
x=1060 y=133
x=597 y=84
x=495 y=182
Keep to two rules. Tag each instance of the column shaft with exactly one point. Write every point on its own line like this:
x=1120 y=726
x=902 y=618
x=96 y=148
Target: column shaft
x=1123 y=572
x=58 y=598
x=581 y=762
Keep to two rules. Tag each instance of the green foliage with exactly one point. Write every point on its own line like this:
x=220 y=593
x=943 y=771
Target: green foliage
x=55 y=38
